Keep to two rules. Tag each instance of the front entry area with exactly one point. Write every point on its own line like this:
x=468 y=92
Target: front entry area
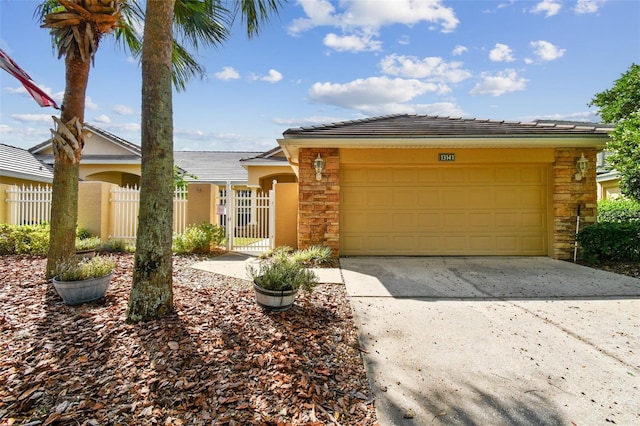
x=484 y=209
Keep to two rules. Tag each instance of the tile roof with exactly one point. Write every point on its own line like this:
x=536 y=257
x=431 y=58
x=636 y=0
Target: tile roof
x=20 y=163
x=405 y=125
x=214 y=166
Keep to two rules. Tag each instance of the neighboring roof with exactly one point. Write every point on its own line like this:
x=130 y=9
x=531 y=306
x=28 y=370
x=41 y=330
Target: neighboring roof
x=21 y=164
x=131 y=147
x=216 y=167
x=424 y=126
x=273 y=157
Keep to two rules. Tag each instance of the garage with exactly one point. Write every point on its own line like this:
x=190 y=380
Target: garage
x=416 y=185
x=457 y=210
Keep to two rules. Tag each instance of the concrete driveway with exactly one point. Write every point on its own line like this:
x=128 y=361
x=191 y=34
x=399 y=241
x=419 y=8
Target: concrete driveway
x=497 y=341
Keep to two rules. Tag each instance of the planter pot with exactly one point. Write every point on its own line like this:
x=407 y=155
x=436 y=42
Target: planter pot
x=85 y=254
x=77 y=292
x=274 y=300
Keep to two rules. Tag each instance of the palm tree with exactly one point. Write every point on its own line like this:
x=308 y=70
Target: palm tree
x=151 y=293
x=77 y=26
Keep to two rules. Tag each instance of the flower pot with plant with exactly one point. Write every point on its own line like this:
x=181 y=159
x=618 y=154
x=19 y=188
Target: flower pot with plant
x=277 y=280
x=83 y=280
x=86 y=247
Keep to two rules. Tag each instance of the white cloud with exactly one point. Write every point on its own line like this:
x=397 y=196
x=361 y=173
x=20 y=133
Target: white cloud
x=501 y=53
x=368 y=16
x=20 y=90
x=548 y=7
x=431 y=68
x=227 y=73
x=307 y=121
x=123 y=110
x=588 y=6
x=273 y=76
x=459 y=50
x=102 y=119
x=546 y=51
x=353 y=43
x=33 y=118
x=89 y=104
x=575 y=116
x=366 y=94
x=319 y=13
x=499 y=84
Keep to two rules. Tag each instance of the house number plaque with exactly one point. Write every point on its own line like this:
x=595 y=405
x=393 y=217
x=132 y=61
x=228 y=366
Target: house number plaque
x=446 y=157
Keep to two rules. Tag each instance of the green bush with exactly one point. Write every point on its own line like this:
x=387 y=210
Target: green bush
x=24 y=239
x=618 y=210
x=314 y=256
x=198 y=239
x=617 y=241
x=115 y=246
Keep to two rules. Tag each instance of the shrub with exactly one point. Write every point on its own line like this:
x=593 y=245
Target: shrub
x=83 y=234
x=198 y=239
x=90 y=243
x=617 y=241
x=618 y=210
x=24 y=239
x=115 y=246
x=314 y=256
x=95 y=267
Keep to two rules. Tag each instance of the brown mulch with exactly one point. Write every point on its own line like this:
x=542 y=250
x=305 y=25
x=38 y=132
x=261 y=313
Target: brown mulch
x=219 y=360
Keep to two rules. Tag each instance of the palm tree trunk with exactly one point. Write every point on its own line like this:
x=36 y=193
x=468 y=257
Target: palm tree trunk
x=68 y=153
x=152 y=288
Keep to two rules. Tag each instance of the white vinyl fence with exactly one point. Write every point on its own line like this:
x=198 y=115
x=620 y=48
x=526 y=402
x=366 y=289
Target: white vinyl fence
x=32 y=204
x=125 y=202
x=29 y=205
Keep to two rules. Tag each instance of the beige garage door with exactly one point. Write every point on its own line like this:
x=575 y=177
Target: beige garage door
x=484 y=210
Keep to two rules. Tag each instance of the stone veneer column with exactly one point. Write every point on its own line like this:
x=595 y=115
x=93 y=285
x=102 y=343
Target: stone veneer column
x=319 y=201
x=568 y=194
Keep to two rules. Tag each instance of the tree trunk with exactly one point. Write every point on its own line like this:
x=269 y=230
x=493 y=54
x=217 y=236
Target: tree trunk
x=152 y=288
x=64 y=201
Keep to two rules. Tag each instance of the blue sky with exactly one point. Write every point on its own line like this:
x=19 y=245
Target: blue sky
x=324 y=61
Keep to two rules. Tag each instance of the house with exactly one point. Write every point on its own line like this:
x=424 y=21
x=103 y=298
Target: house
x=105 y=157
x=608 y=179
x=428 y=185
x=19 y=167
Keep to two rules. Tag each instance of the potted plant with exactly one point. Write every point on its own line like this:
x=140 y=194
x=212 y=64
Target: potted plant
x=86 y=247
x=83 y=280
x=276 y=281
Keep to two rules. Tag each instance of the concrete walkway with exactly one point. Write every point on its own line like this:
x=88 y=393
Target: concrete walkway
x=497 y=341
x=235 y=265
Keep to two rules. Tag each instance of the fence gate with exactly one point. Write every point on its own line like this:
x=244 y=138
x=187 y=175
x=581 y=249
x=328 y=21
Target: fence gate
x=249 y=220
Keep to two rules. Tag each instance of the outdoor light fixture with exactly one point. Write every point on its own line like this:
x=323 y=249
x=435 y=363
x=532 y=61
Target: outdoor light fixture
x=318 y=164
x=581 y=166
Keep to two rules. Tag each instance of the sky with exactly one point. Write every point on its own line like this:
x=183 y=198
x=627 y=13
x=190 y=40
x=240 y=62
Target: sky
x=322 y=61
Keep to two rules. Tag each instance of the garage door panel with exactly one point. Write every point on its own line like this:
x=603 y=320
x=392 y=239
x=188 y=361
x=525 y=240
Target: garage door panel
x=453 y=198
x=444 y=210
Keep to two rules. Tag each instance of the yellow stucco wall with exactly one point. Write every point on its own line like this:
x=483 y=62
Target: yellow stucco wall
x=286 y=216
x=94 y=213
x=201 y=207
x=263 y=176
x=411 y=156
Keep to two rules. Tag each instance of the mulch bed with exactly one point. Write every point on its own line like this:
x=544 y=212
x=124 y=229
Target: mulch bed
x=219 y=360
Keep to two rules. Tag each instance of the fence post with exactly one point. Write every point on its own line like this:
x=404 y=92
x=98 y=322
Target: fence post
x=4 y=216
x=230 y=210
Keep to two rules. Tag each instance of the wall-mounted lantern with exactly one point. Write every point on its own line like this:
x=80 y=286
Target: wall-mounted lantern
x=318 y=164
x=581 y=166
